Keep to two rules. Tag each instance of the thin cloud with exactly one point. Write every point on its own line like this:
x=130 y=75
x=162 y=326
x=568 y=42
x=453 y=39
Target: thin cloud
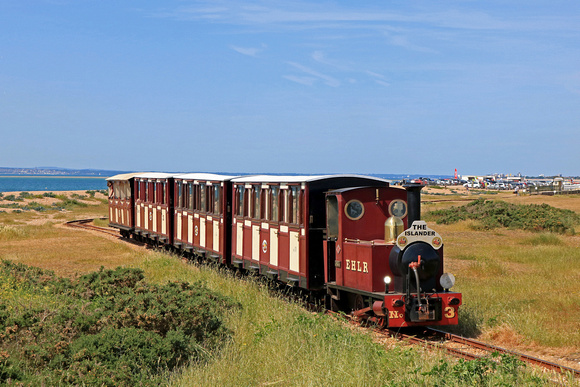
x=311 y=15
x=329 y=81
x=308 y=81
x=249 y=51
x=379 y=78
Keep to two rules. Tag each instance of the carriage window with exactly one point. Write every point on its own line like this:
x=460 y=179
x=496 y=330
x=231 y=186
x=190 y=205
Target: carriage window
x=240 y=201
x=164 y=193
x=209 y=198
x=283 y=203
x=116 y=190
x=191 y=199
x=216 y=198
x=179 y=199
x=185 y=195
x=257 y=202
x=275 y=203
x=196 y=197
x=127 y=190
x=202 y=196
x=265 y=204
x=293 y=205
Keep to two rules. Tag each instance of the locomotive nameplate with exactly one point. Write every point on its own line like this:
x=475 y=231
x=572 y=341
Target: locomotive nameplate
x=419 y=232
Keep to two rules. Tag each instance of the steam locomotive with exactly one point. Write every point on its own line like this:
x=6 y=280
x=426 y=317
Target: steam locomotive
x=354 y=241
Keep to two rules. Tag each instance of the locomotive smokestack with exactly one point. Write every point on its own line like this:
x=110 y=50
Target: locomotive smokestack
x=413 y=202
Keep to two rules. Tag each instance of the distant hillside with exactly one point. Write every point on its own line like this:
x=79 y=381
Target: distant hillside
x=54 y=171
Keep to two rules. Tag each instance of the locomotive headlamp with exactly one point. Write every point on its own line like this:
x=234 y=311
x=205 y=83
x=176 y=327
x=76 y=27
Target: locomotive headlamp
x=387 y=281
x=447 y=280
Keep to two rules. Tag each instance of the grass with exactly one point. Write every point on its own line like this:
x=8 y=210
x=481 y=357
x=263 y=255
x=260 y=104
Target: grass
x=521 y=281
x=502 y=274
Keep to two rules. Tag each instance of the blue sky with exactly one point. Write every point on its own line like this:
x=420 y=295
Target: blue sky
x=418 y=87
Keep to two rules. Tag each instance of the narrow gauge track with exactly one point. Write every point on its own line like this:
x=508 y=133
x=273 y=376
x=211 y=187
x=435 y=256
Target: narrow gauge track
x=438 y=339
x=86 y=224
x=430 y=337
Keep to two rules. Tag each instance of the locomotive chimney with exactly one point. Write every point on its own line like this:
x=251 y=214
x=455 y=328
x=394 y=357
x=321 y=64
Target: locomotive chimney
x=413 y=202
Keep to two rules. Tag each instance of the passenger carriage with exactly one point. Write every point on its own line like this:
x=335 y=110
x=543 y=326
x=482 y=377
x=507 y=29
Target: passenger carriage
x=202 y=215
x=279 y=222
x=122 y=203
x=154 y=207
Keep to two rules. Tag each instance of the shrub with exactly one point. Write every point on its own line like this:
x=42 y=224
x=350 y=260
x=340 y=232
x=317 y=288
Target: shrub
x=106 y=328
x=492 y=214
x=25 y=195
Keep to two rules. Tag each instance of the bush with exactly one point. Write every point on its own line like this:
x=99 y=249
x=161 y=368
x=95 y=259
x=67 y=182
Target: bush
x=492 y=214
x=106 y=328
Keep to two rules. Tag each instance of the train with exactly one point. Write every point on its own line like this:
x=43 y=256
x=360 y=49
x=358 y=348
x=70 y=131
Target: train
x=354 y=242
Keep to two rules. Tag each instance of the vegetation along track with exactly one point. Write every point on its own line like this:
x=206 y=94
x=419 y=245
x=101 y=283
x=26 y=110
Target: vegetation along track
x=469 y=349
x=455 y=345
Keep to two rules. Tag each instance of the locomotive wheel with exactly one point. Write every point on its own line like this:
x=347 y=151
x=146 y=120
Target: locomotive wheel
x=358 y=302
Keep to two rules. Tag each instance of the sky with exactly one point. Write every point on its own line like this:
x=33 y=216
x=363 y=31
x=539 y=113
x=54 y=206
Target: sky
x=237 y=86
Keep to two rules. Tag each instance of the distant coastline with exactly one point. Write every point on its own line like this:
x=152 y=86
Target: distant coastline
x=54 y=176
x=57 y=172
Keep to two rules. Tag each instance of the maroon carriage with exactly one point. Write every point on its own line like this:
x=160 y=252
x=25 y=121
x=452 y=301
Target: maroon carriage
x=121 y=203
x=202 y=215
x=382 y=262
x=154 y=207
x=279 y=222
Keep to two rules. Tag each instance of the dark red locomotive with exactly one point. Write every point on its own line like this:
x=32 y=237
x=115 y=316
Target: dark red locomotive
x=353 y=240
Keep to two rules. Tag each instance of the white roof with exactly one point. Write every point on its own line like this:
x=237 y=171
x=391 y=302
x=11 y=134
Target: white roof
x=204 y=177
x=297 y=179
x=154 y=175
x=123 y=176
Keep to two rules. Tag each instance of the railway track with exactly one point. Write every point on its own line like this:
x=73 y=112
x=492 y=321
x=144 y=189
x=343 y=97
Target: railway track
x=470 y=349
x=87 y=225
x=455 y=345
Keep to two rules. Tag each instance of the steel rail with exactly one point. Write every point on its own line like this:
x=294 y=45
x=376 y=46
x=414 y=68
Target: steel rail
x=492 y=348
x=84 y=224
x=436 y=345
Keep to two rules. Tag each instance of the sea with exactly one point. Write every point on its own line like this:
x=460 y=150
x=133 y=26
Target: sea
x=12 y=183
x=51 y=183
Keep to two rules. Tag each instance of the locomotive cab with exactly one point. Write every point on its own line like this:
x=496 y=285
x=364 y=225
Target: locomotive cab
x=382 y=263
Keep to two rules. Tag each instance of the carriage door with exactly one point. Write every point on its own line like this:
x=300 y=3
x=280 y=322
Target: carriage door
x=293 y=218
x=255 y=209
x=331 y=236
x=274 y=217
x=238 y=221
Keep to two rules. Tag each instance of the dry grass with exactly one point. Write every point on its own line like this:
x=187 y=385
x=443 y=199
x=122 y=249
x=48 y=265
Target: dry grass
x=520 y=292
x=520 y=287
